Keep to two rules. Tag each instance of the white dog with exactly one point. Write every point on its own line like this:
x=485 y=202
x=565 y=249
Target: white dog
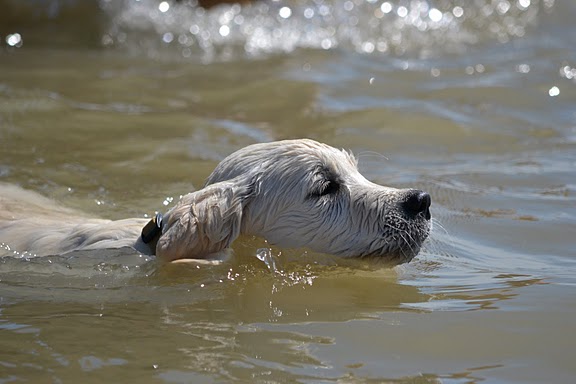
x=294 y=193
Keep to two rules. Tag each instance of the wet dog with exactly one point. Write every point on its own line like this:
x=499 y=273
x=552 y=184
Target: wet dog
x=294 y=193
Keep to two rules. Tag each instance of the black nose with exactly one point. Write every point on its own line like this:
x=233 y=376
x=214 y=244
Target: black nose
x=416 y=202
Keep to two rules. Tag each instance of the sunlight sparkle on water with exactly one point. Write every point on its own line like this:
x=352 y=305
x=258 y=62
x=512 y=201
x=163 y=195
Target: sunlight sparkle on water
x=285 y=12
x=568 y=72
x=458 y=11
x=168 y=37
x=308 y=13
x=368 y=27
x=164 y=6
x=503 y=7
x=523 y=68
x=386 y=7
x=435 y=15
x=402 y=11
x=14 y=40
x=523 y=4
x=224 y=30
x=554 y=91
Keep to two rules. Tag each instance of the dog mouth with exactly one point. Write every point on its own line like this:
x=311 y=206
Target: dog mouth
x=402 y=242
x=410 y=227
x=394 y=256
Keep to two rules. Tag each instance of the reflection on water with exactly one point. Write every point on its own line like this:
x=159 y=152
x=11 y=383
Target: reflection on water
x=187 y=30
x=470 y=101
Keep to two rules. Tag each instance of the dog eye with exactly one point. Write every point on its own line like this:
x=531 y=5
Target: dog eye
x=328 y=187
x=325 y=183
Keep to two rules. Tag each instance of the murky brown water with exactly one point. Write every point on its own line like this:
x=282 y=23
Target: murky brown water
x=118 y=107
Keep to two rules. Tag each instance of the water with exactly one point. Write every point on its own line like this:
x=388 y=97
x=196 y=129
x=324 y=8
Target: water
x=117 y=108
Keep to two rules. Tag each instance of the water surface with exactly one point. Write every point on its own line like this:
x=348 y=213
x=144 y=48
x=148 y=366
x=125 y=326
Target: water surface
x=118 y=107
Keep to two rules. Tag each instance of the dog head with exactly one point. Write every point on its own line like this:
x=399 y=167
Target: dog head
x=297 y=193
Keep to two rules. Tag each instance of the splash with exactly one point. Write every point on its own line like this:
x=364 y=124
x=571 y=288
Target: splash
x=265 y=255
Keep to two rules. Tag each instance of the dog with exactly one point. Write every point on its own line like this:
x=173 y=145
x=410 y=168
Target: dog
x=293 y=193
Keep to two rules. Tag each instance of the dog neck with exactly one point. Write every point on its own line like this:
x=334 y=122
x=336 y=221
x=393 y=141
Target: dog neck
x=152 y=231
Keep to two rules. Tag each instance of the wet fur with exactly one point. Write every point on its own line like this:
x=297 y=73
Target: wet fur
x=294 y=193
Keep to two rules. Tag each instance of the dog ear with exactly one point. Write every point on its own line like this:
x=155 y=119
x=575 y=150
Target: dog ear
x=204 y=222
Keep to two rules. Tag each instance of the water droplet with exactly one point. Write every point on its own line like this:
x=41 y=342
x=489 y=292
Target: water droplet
x=265 y=255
